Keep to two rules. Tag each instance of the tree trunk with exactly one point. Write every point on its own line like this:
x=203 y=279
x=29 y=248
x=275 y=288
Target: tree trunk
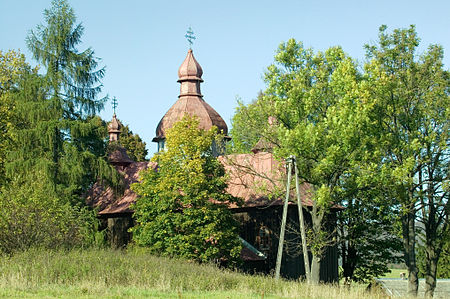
x=409 y=242
x=349 y=263
x=315 y=270
x=433 y=242
x=430 y=270
x=317 y=249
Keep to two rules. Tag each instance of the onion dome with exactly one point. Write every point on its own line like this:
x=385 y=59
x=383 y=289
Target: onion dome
x=190 y=69
x=114 y=129
x=190 y=101
x=118 y=154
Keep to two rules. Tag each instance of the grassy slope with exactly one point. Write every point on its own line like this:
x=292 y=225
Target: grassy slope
x=136 y=274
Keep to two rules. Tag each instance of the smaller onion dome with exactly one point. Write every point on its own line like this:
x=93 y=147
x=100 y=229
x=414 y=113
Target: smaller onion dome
x=114 y=129
x=190 y=69
x=118 y=154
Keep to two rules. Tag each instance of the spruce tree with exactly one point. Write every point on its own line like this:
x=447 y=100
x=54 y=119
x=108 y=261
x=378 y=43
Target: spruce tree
x=70 y=136
x=32 y=212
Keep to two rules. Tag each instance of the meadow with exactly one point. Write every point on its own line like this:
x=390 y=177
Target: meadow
x=93 y=273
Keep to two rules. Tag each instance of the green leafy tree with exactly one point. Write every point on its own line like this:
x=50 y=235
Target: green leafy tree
x=183 y=206
x=410 y=96
x=12 y=68
x=133 y=143
x=443 y=267
x=321 y=119
x=250 y=125
x=443 y=270
x=369 y=240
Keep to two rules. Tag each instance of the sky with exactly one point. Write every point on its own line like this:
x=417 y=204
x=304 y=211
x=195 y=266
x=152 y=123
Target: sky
x=142 y=43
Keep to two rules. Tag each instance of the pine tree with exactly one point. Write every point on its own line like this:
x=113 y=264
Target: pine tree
x=32 y=212
x=65 y=129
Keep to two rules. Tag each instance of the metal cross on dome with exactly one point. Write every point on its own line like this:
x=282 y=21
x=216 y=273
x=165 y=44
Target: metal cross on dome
x=114 y=104
x=190 y=36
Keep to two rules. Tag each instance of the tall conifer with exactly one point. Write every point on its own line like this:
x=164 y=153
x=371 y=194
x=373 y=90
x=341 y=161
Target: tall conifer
x=61 y=133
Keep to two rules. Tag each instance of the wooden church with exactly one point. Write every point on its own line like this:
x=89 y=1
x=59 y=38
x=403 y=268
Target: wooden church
x=260 y=214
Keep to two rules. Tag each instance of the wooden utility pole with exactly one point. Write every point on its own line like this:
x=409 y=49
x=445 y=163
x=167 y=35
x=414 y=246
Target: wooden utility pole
x=283 y=221
x=302 y=225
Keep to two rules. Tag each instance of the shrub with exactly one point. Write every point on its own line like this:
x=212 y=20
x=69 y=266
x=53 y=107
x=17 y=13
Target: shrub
x=31 y=215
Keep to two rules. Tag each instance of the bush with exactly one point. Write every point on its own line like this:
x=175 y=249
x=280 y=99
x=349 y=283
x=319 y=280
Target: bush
x=31 y=215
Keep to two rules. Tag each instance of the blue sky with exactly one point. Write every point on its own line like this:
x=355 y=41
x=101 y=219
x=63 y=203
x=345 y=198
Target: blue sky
x=142 y=43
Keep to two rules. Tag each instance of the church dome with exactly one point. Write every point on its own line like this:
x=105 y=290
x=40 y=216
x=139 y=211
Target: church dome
x=190 y=101
x=118 y=154
x=114 y=125
x=190 y=69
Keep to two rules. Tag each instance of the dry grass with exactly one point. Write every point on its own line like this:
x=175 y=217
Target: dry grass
x=136 y=274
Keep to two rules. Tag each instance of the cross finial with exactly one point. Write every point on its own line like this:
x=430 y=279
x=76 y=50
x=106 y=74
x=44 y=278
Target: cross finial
x=190 y=37
x=114 y=105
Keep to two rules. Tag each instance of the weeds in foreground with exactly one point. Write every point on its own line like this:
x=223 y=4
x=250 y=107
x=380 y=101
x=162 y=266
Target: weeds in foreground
x=136 y=273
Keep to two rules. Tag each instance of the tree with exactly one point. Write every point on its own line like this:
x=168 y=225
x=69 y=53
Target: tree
x=410 y=96
x=250 y=124
x=12 y=68
x=32 y=213
x=368 y=237
x=133 y=143
x=183 y=206
x=321 y=119
x=443 y=269
x=64 y=127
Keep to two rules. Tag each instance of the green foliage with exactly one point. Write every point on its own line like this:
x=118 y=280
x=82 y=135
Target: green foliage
x=250 y=124
x=369 y=234
x=72 y=75
x=443 y=266
x=443 y=270
x=321 y=119
x=32 y=215
x=410 y=96
x=58 y=129
x=55 y=146
x=182 y=210
x=12 y=68
x=133 y=143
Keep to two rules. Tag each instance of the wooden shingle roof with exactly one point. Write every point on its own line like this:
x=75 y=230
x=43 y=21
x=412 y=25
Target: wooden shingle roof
x=190 y=101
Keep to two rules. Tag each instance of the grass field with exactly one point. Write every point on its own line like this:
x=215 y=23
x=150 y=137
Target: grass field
x=137 y=274
x=395 y=273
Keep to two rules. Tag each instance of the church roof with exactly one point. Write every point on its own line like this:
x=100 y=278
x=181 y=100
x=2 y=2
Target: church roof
x=119 y=156
x=259 y=180
x=251 y=178
x=109 y=202
x=190 y=101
